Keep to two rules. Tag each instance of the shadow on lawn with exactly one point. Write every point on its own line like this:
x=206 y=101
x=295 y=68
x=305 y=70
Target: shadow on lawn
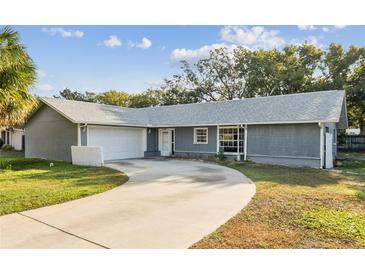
x=291 y=175
x=63 y=171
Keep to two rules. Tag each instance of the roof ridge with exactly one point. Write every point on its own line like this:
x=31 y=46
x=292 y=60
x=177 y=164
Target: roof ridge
x=84 y=102
x=242 y=99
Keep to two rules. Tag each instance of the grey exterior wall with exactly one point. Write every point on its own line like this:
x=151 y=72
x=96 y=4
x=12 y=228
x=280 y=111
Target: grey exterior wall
x=83 y=135
x=152 y=143
x=49 y=135
x=286 y=144
x=184 y=142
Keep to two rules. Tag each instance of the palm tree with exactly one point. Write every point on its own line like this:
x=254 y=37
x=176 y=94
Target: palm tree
x=17 y=75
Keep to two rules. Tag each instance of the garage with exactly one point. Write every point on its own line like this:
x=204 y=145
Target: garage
x=118 y=142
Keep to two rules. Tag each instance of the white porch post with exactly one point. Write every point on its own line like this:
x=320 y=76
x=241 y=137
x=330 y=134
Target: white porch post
x=238 y=143
x=217 y=139
x=321 y=143
x=245 y=143
x=78 y=135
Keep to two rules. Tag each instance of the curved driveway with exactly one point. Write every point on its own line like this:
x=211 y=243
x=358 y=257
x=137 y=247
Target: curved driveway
x=165 y=204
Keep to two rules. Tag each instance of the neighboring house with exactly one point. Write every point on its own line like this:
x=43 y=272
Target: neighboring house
x=287 y=129
x=353 y=131
x=13 y=137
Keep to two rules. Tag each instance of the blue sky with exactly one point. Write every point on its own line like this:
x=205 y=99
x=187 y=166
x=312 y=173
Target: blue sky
x=133 y=58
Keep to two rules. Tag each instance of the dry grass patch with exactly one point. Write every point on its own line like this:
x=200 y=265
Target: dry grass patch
x=296 y=208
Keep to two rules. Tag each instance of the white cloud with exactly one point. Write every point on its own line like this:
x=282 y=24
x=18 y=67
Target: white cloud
x=193 y=55
x=145 y=44
x=112 y=42
x=256 y=37
x=64 y=33
x=312 y=40
x=340 y=26
x=325 y=29
x=154 y=83
x=41 y=73
x=307 y=27
x=46 y=87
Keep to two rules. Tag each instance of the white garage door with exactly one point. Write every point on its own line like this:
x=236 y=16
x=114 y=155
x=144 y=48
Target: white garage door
x=117 y=142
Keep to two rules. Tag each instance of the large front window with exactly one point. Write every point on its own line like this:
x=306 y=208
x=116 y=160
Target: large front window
x=230 y=138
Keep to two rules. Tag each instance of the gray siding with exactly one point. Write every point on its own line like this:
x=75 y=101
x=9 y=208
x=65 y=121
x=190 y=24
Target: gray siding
x=292 y=144
x=83 y=136
x=49 y=135
x=286 y=161
x=152 y=139
x=184 y=142
x=152 y=143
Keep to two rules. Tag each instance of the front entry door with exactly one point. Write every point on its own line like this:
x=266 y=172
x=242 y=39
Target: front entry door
x=166 y=142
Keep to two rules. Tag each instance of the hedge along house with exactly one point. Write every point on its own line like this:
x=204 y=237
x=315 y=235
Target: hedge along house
x=296 y=130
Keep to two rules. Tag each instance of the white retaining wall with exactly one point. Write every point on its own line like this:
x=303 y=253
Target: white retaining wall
x=87 y=155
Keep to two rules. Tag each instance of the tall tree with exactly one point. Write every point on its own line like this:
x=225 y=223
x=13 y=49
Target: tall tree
x=338 y=65
x=213 y=78
x=177 y=91
x=113 y=97
x=148 y=98
x=17 y=75
x=71 y=95
x=356 y=96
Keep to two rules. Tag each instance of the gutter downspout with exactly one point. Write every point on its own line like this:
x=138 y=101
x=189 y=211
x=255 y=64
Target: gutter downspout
x=321 y=144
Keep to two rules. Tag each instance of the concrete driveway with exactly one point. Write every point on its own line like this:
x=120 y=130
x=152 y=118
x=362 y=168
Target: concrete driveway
x=165 y=204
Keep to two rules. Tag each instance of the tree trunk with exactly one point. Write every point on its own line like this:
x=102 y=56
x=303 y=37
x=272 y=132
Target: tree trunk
x=362 y=126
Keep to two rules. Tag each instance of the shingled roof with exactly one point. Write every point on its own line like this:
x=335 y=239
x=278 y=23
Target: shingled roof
x=321 y=106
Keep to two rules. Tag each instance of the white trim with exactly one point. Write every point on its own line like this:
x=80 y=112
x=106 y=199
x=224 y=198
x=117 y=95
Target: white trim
x=218 y=138
x=238 y=142
x=279 y=156
x=195 y=142
x=245 y=144
x=238 y=153
x=321 y=144
x=78 y=135
x=144 y=140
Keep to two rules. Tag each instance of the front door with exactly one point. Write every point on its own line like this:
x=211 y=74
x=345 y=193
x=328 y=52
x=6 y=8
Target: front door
x=166 y=142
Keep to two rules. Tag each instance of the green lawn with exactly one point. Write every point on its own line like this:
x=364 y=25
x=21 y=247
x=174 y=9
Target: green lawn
x=296 y=208
x=32 y=183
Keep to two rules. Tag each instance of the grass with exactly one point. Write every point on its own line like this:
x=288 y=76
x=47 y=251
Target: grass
x=296 y=208
x=352 y=154
x=32 y=183
x=352 y=162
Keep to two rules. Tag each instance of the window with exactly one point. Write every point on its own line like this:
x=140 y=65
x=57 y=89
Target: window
x=200 y=135
x=230 y=138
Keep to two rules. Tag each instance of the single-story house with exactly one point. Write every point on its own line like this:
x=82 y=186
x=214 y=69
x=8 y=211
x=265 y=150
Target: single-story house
x=297 y=129
x=13 y=137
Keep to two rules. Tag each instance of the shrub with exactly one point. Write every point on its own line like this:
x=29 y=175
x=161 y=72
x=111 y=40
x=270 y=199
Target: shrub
x=220 y=155
x=7 y=147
